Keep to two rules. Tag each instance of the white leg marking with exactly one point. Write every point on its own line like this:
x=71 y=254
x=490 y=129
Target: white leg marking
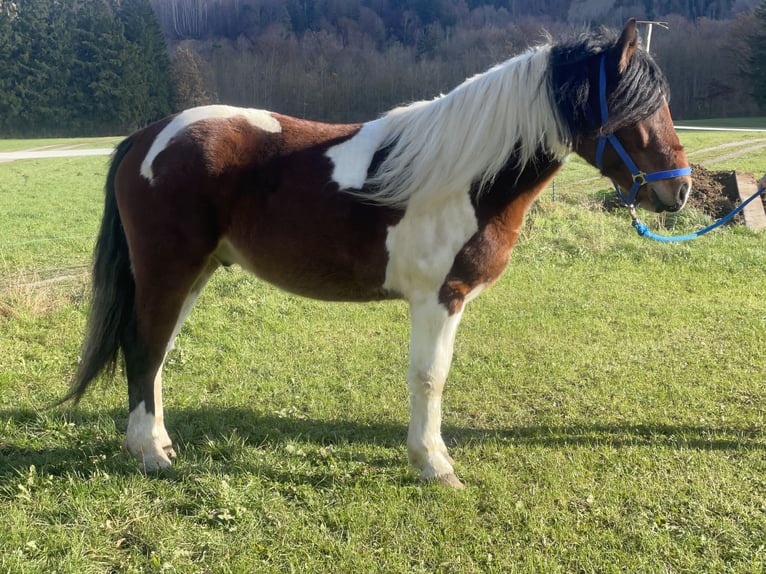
x=188 y=305
x=147 y=438
x=475 y=292
x=431 y=344
x=258 y=118
x=159 y=413
x=351 y=159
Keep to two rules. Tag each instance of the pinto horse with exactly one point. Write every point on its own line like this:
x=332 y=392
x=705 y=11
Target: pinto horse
x=422 y=204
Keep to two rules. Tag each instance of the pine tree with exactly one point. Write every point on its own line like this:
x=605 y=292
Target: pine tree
x=756 y=63
x=97 y=93
x=81 y=67
x=146 y=65
x=10 y=102
x=40 y=56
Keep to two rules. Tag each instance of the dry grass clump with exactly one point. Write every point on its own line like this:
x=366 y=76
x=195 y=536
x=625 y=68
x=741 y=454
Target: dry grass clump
x=41 y=292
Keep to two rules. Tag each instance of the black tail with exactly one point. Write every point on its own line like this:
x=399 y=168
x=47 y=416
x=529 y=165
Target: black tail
x=113 y=292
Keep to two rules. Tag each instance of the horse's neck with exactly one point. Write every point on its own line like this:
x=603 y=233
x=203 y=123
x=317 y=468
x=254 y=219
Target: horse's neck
x=517 y=187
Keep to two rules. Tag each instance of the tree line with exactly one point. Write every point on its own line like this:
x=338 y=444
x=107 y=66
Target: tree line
x=350 y=60
x=78 y=67
x=81 y=67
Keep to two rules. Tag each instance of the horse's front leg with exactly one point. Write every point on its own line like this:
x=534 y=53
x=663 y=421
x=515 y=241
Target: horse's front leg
x=431 y=343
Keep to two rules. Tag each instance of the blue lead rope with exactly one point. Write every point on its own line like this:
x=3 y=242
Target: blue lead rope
x=643 y=230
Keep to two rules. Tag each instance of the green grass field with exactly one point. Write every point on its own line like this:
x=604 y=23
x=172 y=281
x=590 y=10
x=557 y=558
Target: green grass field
x=606 y=408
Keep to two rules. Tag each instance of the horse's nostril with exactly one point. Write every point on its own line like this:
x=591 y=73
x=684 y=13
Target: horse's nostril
x=683 y=192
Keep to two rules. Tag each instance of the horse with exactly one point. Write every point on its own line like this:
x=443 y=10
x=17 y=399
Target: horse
x=423 y=203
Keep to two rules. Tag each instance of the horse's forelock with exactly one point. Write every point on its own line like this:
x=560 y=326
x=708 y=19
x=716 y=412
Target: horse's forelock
x=639 y=92
x=574 y=81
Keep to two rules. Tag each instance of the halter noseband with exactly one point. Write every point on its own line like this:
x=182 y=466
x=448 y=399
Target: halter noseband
x=639 y=177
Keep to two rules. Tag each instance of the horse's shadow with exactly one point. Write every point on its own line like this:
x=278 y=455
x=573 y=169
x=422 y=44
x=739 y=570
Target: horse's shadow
x=215 y=435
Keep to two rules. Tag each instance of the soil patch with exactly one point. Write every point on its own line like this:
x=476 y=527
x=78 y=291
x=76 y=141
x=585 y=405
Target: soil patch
x=714 y=192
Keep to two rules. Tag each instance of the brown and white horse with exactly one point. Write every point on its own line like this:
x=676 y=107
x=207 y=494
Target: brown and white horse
x=424 y=204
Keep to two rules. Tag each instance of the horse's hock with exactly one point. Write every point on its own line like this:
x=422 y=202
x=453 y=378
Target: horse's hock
x=718 y=192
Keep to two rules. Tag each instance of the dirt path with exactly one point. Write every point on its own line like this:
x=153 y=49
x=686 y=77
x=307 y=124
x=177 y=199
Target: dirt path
x=52 y=151
x=743 y=148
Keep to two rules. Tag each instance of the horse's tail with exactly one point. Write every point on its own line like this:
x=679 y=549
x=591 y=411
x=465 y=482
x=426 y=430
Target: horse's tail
x=113 y=291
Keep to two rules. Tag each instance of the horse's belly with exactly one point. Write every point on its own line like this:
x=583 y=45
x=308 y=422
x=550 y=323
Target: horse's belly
x=331 y=275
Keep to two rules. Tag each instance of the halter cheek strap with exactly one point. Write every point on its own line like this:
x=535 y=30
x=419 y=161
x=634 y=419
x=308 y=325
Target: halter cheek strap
x=639 y=177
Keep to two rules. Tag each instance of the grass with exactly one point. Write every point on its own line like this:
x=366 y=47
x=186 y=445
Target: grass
x=606 y=407
x=749 y=123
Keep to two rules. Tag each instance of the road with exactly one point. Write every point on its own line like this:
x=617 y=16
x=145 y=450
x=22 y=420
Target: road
x=49 y=153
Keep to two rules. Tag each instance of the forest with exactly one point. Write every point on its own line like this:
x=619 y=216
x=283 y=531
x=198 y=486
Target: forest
x=349 y=60
x=109 y=66
x=81 y=67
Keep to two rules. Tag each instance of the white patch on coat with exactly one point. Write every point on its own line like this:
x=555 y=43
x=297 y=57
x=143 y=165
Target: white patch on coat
x=146 y=438
x=257 y=118
x=351 y=159
x=423 y=245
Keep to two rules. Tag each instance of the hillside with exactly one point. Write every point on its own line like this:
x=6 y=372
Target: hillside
x=349 y=60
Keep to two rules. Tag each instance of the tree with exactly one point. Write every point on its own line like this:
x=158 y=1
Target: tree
x=188 y=80
x=756 y=62
x=10 y=101
x=146 y=65
x=97 y=97
x=37 y=64
x=81 y=67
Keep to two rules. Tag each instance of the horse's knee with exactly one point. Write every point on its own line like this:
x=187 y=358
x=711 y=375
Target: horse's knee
x=427 y=382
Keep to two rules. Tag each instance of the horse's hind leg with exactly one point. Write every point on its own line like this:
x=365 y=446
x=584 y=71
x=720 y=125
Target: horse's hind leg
x=161 y=310
x=431 y=343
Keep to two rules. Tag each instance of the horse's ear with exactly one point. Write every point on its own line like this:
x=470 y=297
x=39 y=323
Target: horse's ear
x=628 y=43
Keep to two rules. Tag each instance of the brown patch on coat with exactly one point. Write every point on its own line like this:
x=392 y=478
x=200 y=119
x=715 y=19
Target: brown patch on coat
x=225 y=181
x=500 y=211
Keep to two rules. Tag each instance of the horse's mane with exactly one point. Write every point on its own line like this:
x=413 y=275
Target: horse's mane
x=445 y=145
x=536 y=101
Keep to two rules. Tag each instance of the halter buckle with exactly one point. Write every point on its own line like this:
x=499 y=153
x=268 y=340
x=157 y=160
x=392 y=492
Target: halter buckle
x=639 y=178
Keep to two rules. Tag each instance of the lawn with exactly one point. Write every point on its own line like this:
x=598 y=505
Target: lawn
x=606 y=408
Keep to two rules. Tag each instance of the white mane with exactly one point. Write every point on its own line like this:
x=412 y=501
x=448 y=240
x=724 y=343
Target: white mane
x=467 y=136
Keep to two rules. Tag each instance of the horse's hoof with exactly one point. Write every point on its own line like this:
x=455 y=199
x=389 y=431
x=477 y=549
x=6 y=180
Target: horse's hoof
x=153 y=459
x=449 y=480
x=152 y=464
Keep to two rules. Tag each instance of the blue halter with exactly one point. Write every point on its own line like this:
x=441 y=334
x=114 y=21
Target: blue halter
x=639 y=177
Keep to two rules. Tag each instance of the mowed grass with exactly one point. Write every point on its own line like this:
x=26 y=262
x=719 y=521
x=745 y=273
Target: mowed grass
x=606 y=408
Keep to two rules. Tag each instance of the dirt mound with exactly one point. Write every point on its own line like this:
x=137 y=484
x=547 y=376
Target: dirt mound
x=714 y=192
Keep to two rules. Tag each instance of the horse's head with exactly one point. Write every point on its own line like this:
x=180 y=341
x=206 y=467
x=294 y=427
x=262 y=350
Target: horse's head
x=630 y=135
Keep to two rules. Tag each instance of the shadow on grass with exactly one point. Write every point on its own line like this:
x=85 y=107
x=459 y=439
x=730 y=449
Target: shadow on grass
x=216 y=435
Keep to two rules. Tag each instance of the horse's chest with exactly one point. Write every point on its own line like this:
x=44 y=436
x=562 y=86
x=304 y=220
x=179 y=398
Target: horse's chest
x=422 y=246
